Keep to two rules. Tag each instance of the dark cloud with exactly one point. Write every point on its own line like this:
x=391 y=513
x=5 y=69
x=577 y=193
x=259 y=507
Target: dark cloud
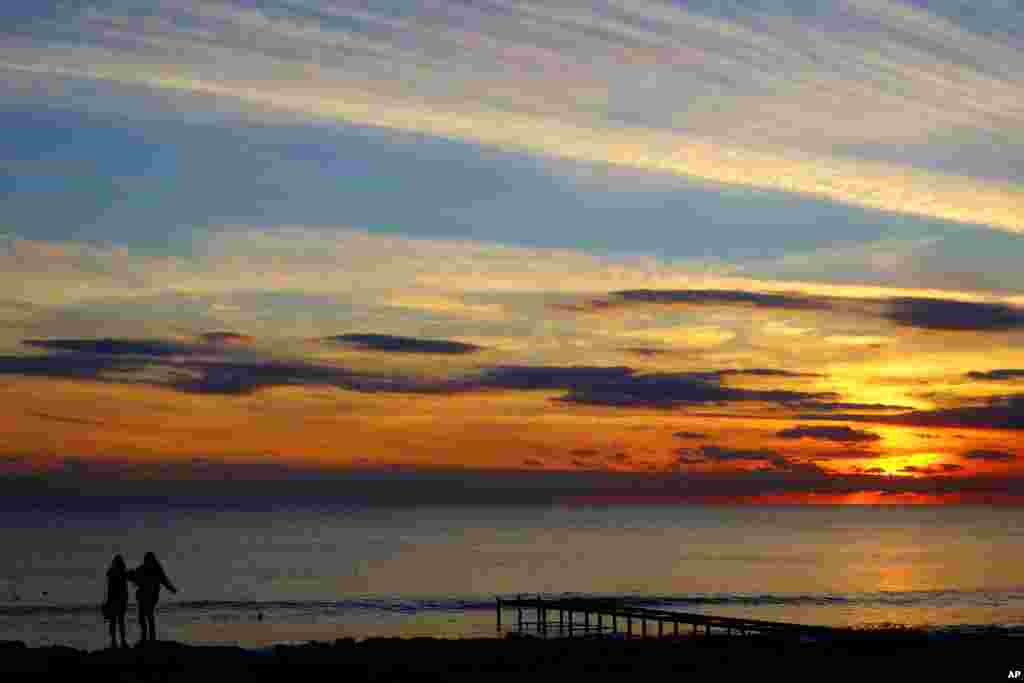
x=915 y=312
x=719 y=454
x=63 y=418
x=766 y=372
x=238 y=378
x=690 y=435
x=226 y=338
x=66 y=365
x=126 y=361
x=874 y=470
x=78 y=480
x=721 y=297
x=984 y=455
x=827 y=407
x=393 y=344
x=623 y=387
x=997 y=412
x=945 y=314
x=647 y=351
x=1001 y=375
x=805 y=469
x=112 y=347
x=940 y=469
x=584 y=452
x=842 y=434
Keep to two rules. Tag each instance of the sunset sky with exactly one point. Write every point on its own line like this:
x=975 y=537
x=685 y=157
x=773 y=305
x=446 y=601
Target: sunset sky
x=622 y=249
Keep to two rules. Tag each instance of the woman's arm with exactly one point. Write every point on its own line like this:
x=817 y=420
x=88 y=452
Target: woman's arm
x=167 y=582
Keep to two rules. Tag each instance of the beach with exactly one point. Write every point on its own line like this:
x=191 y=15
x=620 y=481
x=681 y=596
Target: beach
x=891 y=656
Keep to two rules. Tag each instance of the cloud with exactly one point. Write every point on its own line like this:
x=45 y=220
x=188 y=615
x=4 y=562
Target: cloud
x=842 y=434
x=395 y=344
x=690 y=435
x=668 y=390
x=586 y=90
x=624 y=387
x=112 y=347
x=717 y=297
x=226 y=338
x=983 y=455
x=64 y=418
x=720 y=454
x=996 y=412
x=939 y=469
x=825 y=407
x=69 y=365
x=1001 y=375
x=766 y=372
x=187 y=368
x=948 y=315
x=646 y=351
x=939 y=314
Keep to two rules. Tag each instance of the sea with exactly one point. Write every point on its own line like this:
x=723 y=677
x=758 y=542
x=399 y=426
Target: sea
x=261 y=573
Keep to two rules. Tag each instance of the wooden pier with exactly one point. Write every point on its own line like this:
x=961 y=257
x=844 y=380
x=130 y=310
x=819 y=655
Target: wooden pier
x=595 y=616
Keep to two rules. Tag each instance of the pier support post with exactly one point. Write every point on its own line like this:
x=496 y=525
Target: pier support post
x=660 y=625
x=629 y=627
x=499 y=615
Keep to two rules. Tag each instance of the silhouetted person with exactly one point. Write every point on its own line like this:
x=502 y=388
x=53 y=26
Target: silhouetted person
x=148 y=578
x=115 y=604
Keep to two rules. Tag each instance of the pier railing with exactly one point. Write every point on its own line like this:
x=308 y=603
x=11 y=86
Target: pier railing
x=569 y=616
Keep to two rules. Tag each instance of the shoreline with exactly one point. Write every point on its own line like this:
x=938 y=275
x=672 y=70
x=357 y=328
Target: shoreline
x=907 y=652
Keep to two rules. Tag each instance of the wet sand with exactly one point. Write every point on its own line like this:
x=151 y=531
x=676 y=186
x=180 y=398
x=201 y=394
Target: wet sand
x=912 y=655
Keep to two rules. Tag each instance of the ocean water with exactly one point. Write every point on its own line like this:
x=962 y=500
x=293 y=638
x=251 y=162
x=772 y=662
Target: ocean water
x=255 y=575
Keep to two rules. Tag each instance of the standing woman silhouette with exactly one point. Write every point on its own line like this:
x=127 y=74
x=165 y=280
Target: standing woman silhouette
x=148 y=578
x=115 y=604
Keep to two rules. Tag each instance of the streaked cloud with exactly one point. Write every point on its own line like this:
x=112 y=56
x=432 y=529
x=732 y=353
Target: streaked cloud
x=396 y=344
x=989 y=456
x=1000 y=375
x=842 y=434
x=594 y=85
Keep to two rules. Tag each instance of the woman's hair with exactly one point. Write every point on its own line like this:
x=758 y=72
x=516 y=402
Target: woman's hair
x=117 y=564
x=149 y=560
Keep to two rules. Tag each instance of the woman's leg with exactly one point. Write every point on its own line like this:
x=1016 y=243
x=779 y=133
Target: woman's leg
x=121 y=628
x=113 y=637
x=152 y=623
x=143 y=624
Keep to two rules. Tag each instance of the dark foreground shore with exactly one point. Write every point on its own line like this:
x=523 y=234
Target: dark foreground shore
x=977 y=658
